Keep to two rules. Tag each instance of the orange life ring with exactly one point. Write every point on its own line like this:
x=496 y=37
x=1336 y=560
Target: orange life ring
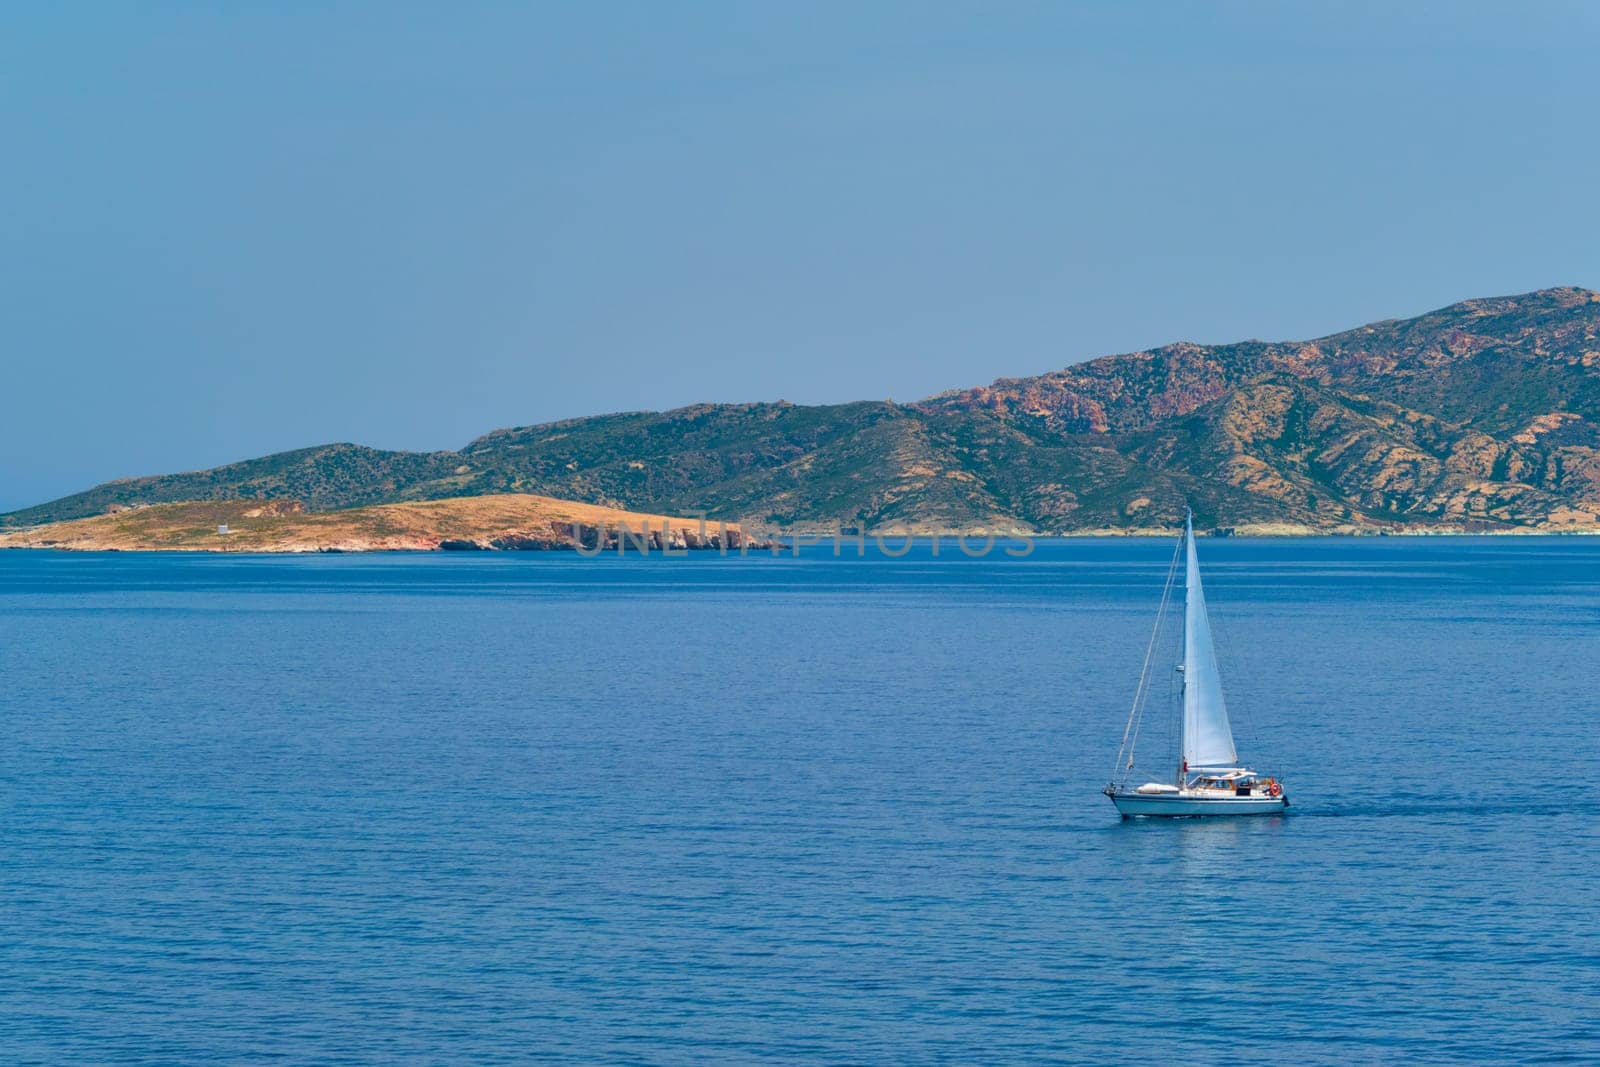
x=1275 y=789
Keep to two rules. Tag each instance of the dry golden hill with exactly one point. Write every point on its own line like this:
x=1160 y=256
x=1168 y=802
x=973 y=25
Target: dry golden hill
x=505 y=521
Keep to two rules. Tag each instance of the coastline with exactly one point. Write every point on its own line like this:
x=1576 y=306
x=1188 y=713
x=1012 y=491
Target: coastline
x=501 y=522
x=1254 y=531
x=651 y=542
x=523 y=522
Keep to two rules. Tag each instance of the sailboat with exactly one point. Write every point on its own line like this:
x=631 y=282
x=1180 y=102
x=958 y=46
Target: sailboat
x=1210 y=779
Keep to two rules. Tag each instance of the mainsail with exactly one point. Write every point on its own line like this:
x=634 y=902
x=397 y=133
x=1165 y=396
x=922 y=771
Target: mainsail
x=1207 y=740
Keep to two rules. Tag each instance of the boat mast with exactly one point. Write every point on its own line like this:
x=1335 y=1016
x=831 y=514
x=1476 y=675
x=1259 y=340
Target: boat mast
x=1183 y=668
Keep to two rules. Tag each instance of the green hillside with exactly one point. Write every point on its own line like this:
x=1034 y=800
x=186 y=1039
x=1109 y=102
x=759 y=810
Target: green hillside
x=1482 y=415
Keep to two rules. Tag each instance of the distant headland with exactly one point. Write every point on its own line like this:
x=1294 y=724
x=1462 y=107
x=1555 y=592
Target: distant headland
x=502 y=522
x=1482 y=417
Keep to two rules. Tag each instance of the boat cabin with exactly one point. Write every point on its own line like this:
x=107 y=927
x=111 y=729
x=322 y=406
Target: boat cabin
x=1238 y=781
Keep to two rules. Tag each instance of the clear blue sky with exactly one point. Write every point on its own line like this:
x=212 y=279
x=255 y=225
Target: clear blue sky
x=234 y=229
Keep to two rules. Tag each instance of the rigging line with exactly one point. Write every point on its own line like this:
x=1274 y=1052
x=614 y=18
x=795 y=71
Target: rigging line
x=1141 y=691
x=1130 y=731
x=1144 y=702
x=1161 y=620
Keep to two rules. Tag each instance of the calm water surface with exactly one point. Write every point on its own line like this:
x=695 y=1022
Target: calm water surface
x=515 y=807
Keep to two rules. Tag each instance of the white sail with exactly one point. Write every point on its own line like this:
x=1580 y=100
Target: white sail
x=1207 y=739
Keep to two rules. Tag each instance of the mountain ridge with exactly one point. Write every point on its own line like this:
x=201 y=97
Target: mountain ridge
x=1484 y=414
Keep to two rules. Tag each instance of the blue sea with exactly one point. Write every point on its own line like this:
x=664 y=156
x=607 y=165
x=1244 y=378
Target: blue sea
x=504 y=808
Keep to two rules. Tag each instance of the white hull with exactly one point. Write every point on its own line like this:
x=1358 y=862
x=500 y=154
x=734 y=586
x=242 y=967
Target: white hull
x=1178 y=805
